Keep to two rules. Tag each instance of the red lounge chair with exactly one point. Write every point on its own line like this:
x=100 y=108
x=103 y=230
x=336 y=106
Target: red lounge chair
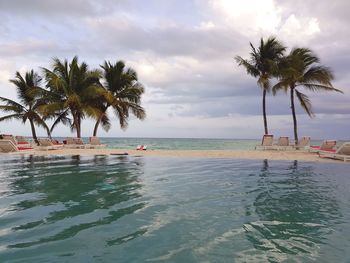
x=325 y=146
x=141 y=147
x=342 y=153
x=8 y=146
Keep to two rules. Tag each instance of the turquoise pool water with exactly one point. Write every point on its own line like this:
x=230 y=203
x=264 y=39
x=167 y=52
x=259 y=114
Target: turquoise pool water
x=137 y=209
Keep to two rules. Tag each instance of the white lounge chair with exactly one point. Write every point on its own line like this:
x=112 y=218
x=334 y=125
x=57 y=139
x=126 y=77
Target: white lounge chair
x=96 y=143
x=9 y=137
x=8 y=146
x=266 y=143
x=342 y=153
x=325 y=146
x=283 y=144
x=47 y=144
x=74 y=143
x=304 y=143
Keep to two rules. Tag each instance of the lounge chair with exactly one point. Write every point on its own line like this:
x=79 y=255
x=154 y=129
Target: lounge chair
x=21 y=140
x=9 y=137
x=8 y=146
x=141 y=147
x=342 y=153
x=47 y=144
x=304 y=143
x=283 y=144
x=325 y=146
x=96 y=143
x=56 y=142
x=76 y=143
x=266 y=143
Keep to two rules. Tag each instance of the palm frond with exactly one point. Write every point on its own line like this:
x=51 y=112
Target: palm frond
x=138 y=111
x=12 y=103
x=251 y=70
x=61 y=118
x=38 y=120
x=12 y=116
x=282 y=85
x=318 y=87
x=92 y=111
x=305 y=103
x=122 y=115
x=105 y=122
x=51 y=109
x=7 y=108
x=319 y=74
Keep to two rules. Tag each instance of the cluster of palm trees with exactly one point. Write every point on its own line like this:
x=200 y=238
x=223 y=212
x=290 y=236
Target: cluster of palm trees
x=69 y=92
x=300 y=68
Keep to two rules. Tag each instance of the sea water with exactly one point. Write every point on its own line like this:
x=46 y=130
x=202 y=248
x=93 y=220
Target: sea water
x=177 y=143
x=156 y=209
x=183 y=143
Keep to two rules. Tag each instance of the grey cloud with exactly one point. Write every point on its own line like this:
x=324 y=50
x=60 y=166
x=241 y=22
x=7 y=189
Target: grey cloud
x=25 y=47
x=58 y=7
x=168 y=41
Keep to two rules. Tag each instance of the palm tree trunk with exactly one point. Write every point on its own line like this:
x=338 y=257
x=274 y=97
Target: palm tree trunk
x=96 y=126
x=78 y=128
x=76 y=124
x=264 y=111
x=33 y=132
x=294 y=115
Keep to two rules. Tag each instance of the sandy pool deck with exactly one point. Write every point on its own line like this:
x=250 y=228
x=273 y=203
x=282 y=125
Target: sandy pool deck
x=234 y=154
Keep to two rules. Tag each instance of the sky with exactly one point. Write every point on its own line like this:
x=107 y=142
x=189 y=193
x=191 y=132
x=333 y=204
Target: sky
x=183 y=52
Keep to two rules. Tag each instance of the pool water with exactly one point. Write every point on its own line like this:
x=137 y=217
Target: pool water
x=137 y=209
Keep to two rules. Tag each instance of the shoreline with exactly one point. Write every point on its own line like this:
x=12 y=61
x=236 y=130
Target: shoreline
x=229 y=154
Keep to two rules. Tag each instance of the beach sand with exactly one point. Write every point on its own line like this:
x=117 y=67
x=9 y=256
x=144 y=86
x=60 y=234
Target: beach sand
x=235 y=154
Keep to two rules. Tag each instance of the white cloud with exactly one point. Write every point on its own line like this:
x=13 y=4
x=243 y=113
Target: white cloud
x=299 y=30
x=249 y=16
x=4 y=77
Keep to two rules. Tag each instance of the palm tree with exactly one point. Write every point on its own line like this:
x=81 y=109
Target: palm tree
x=301 y=68
x=28 y=107
x=73 y=86
x=122 y=93
x=262 y=65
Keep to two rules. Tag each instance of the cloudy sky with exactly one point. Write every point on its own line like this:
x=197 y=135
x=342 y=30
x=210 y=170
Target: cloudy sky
x=183 y=51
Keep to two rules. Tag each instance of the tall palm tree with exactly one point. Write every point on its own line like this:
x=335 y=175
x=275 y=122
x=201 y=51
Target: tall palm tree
x=122 y=93
x=302 y=68
x=73 y=86
x=262 y=64
x=28 y=107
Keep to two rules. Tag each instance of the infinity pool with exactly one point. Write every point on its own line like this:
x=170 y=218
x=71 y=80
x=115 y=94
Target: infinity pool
x=136 y=209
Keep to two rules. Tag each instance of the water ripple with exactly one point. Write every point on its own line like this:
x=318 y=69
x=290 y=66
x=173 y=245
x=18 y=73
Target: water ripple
x=134 y=209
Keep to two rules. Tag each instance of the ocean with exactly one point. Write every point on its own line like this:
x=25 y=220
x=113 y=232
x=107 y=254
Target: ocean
x=183 y=143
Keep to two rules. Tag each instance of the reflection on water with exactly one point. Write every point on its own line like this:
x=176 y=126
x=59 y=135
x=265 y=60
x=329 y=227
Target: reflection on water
x=135 y=209
x=294 y=211
x=57 y=191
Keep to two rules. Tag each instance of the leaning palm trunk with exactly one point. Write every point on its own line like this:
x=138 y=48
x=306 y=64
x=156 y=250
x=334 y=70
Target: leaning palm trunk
x=100 y=120
x=264 y=111
x=96 y=126
x=294 y=115
x=33 y=132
